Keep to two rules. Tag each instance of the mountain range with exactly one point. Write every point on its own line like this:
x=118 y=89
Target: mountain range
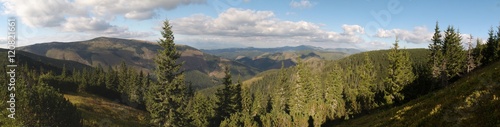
x=203 y=68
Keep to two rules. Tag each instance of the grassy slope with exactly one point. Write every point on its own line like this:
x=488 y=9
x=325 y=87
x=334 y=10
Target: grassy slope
x=98 y=112
x=471 y=101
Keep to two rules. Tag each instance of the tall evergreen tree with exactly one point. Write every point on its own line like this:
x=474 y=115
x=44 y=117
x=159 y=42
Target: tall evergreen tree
x=167 y=99
x=490 y=53
x=478 y=52
x=230 y=98
x=453 y=53
x=400 y=74
x=299 y=95
x=366 y=84
x=280 y=97
x=333 y=93
x=436 y=55
x=123 y=77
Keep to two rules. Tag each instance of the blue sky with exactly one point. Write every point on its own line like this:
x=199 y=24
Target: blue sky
x=208 y=24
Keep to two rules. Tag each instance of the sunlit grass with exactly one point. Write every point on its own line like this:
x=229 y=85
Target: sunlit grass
x=97 y=111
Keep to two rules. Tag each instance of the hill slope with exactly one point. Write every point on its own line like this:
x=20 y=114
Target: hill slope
x=471 y=101
x=233 y=53
x=201 y=69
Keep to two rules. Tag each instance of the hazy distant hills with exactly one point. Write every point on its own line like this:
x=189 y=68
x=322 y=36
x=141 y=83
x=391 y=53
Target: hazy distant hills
x=272 y=58
x=201 y=69
x=233 y=53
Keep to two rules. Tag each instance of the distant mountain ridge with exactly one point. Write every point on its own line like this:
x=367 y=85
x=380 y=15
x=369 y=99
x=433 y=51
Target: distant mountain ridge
x=201 y=69
x=232 y=53
x=272 y=58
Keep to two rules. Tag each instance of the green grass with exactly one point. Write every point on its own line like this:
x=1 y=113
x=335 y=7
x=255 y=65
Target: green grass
x=473 y=100
x=98 y=112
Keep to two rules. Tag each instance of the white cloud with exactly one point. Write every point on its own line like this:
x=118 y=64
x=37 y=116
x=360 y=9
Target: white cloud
x=253 y=27
x=301 y=4
x=36 y=13
x=87 y=17
x=419 y=35
x=353 y=29
x=133 y=9
x=100 y=28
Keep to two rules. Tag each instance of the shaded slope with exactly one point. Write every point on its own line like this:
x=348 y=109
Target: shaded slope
x=473 y=100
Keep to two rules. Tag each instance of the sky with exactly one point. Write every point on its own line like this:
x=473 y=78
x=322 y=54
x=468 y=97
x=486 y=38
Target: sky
x=213 y=24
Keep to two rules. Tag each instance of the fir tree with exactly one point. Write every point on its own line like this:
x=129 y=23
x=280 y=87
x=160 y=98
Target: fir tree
x=436 y=55
x=453 y=53
x=299 y=95
x=400 y=74
x=490 y=54
x=367 y=85
x=229 y=98
x=478 y=52
x=167 y=99
x=333 y=93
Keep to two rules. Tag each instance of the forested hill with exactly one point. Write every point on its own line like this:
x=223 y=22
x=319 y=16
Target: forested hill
x=470 y=101
x=419 y=58
x=203 y=70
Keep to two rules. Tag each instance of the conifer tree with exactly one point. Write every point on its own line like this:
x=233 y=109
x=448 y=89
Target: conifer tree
x=366 y=84
x=333 y=92
x=123 y=77
x=298 y=96
x=229 y=98
x=167 y=99
x=400 y=74
x=478 y=52
x=490 y=53
x=436 y=55
x=63 y=72
x=453 y=53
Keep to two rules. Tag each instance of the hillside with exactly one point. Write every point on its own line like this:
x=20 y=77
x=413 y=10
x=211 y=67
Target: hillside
x=202 y=69
x=272 y=58
x=379 y=58
x=233 y=53
x=35 y=62
x=471 y=101
x=97 y=111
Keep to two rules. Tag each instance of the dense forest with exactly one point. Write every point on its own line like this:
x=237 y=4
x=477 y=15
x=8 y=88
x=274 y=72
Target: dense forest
x=312 y=93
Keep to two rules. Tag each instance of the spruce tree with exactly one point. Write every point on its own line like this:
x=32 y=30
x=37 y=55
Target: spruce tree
x=333 y=93
x=478 y=52
x=366 y=84
x=400 y=74
x=167 y=100
x=280 y=97
x=453 y=53
x=230 y=99
x=436 y=55
x=299 y=95
x=490 y=53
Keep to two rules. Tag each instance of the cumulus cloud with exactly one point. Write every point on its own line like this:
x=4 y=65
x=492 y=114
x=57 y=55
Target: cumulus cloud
x=92 y=16
x=418 y=35
x=240 y=25
x=52 y=13
x=133 y=9
x=35 y=13
x=100 y=27
x=301 y=4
